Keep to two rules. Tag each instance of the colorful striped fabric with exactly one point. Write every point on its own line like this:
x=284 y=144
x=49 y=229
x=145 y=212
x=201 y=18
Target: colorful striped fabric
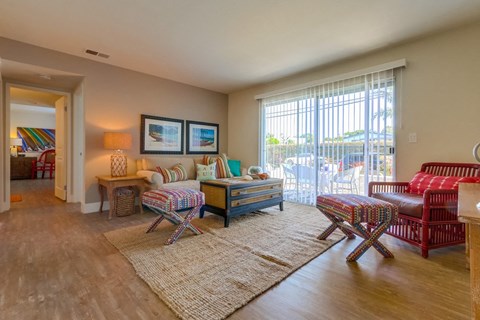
x=35 y=139
x=223 y=170
x=173 y=199
x=177 y=173
x=355 y=208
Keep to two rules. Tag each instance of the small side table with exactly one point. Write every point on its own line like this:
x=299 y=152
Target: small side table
x=110 y=183
x=469 y=212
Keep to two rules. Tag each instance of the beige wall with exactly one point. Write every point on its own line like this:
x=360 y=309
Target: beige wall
x=439 y=101
x=114 y=98
x=30 y=119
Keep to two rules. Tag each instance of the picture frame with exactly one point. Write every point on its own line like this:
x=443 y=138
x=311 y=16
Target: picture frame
x=160 y=135
x=202 y=137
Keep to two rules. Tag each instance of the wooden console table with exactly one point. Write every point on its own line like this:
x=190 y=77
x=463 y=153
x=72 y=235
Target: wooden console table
x=469 y=212
x=110 y=183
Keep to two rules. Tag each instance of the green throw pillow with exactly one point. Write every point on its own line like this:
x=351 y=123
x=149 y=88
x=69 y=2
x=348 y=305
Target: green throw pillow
x=206 y=172
x=235 y=167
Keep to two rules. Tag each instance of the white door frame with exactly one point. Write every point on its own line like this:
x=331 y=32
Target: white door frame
x=72 y=187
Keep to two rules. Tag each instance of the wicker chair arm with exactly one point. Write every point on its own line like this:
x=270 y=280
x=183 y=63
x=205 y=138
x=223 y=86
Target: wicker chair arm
x=377 y=186
x=435 y=197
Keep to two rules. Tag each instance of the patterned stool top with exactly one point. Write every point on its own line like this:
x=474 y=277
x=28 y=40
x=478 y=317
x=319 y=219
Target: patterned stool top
x=173 y=199
x=355 y=208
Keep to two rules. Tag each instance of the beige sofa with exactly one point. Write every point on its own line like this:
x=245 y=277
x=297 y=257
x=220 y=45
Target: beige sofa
x=146 y=167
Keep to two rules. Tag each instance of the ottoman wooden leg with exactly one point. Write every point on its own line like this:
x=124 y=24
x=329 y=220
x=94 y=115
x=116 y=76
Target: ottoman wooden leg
x=185 y=223
x=336 y=223
x=155 y=223
x=371 y=239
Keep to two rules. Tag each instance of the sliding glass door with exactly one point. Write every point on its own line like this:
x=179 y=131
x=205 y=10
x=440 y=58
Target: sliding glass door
x=332 y=138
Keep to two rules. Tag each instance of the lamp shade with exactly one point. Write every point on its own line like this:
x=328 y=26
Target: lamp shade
x=117 y=140
x=15 y=141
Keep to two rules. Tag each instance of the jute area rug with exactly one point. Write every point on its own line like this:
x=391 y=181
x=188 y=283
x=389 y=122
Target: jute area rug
x=209 y=276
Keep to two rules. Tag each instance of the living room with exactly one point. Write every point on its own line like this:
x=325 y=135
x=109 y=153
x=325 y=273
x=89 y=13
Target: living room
x=438 y=102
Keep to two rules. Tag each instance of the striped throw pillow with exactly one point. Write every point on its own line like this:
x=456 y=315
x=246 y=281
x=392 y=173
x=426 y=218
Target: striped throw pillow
x=223 y=170
x=177 y=173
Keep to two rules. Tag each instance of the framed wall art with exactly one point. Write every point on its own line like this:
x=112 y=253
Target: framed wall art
x=202 y=137
x=161 y=135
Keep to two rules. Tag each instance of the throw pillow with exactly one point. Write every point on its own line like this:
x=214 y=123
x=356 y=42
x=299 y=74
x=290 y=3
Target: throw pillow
x=206 y=172
x=235 y=167
x=223 y=170
x=423 y=181
x=177 y=173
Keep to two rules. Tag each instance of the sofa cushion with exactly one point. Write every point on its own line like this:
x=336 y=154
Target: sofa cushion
x=408 y=203
x=177 y=173
x=235 y=167
x=206 y=172
x=152 y=162
x=189 y=184
x=223 y=170
x=423 y=181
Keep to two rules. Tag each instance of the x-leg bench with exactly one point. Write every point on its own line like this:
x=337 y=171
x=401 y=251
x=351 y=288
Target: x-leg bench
x=168 y=203
x=355 y=210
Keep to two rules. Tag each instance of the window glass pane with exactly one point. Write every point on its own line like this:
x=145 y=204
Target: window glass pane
x=333 y=138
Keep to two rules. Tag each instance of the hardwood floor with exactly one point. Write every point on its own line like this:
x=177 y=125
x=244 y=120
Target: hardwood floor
x=56 y=264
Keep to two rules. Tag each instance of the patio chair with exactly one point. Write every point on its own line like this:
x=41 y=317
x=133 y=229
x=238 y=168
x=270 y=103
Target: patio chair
x=289 y=175
x=347 y=180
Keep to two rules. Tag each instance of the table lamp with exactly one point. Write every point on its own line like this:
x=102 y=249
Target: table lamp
x=117 y=141
x=14 y=143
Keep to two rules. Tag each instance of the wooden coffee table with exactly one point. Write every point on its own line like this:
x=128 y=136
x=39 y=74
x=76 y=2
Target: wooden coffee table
x=232 y=197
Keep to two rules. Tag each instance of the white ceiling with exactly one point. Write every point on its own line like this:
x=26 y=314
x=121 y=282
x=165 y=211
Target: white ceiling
x=227 y=45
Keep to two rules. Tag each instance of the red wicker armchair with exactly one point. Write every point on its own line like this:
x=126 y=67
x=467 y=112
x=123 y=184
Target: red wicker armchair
x=427 y=220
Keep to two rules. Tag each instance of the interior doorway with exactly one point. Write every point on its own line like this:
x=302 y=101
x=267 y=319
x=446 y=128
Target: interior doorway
x=38 y=120
x=62 y=83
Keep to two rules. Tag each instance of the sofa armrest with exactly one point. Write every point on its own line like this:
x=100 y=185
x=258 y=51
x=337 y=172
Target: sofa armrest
x=377 y=186
x=153 y=177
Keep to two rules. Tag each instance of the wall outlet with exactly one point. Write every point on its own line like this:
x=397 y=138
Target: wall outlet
x=412 y=137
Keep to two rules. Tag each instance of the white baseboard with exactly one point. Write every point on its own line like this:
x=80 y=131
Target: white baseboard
x=95 y=206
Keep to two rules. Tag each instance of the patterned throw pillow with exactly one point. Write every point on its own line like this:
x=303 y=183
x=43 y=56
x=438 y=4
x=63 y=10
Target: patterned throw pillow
x=206 y=172
x=423 y=181
x=223 y=170
x=177 y=173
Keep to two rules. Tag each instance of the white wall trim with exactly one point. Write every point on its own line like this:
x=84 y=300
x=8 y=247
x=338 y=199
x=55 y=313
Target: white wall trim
x=378 y=68
x=94 y=207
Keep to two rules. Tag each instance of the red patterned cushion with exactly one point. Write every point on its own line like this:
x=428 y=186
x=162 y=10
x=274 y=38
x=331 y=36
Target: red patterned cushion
x=177 y=173
x=355 y=208
x=423 y=181
x=173 y=199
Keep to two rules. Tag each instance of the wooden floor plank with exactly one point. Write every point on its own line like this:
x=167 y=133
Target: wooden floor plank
x=56 y=264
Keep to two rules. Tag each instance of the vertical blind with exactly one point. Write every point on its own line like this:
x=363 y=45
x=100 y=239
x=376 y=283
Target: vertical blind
x=313 y=137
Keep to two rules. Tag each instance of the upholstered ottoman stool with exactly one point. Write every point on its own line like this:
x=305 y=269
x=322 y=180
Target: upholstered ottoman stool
x=355 y=210
x=168 y=203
